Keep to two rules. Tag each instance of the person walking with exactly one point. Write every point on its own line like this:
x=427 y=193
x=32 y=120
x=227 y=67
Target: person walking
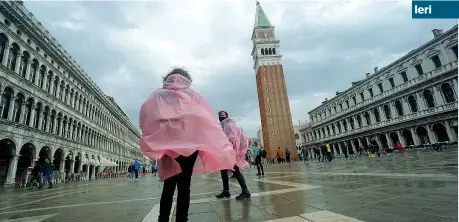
x=287 y=156
x=279 y=155
x=329 y=152
x=48 y=169
x=136 y=168
x=240 y=144
x=36 y=171
x=179 y=130
x=130 y=172
x=257 y=160
x=264 y=162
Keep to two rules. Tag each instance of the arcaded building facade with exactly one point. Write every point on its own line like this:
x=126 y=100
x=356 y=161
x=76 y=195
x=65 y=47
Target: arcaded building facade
x=413 y=100
x=276 y=119
x=50 y=108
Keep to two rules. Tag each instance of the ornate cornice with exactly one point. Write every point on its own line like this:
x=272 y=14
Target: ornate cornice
x=450 y=34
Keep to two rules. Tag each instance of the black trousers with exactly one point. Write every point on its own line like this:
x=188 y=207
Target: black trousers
x=239 y=177
x=259 y=165
x=136 y=172
x=183 y=183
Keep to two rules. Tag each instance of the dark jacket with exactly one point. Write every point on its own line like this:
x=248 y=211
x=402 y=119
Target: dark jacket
x=48 y=169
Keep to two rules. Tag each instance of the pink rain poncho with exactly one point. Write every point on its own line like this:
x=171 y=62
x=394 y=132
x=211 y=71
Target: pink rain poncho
x=239 y=140
x=175 y=120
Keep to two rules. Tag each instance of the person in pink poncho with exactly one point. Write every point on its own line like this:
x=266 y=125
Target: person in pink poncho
x=180 y=130
x=240 y=143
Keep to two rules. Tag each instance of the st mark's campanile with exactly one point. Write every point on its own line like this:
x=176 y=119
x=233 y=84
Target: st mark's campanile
x=276 y=120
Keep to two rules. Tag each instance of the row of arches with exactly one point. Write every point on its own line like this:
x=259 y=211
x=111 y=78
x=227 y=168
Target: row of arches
x=410 y=136
x=37 y=73
x=268 y=51
x=399 y=107
x=42 y=116
x=14 y=162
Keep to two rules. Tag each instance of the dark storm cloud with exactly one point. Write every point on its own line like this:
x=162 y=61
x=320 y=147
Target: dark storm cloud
x=126 y=48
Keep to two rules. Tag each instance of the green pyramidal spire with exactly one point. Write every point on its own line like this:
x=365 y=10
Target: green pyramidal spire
x=261 y=21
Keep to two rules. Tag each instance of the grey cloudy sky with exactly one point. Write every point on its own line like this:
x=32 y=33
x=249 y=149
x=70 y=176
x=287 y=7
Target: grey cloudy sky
x=126 y=47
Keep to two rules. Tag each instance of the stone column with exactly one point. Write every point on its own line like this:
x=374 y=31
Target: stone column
x=51 y=87
x=353 y=147
x=389 y=141
x=348 y=122
x=356 y=123
x=364 y=120
x=27 y=70
x=415 y=136
x=12 y=170
x=40 y=120
x=431 y=134
x=401 y=138
x=405 y=105
x=382 y=115
x=11 y=108
x=21 y=114
x=37 y=74
x=451 y=135
x=6 y=55
x=62 y=166
x=340 y=148
x=18 y=63
x=72 y=166
x=420 y=102
x=32 y=116
x=437 y=95
x=54 y=130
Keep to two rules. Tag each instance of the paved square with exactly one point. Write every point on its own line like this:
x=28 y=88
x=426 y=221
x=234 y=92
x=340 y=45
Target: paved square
x=416 y=186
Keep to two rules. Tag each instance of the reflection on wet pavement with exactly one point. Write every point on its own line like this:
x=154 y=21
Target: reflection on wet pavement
x=403 y=187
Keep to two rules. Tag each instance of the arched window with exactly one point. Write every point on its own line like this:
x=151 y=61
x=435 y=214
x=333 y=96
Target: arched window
x=266 y=51
x=274 y=51
x=23 y=66
x=359 y=121
x=328 y=130
x=270 y=51
x=14 y=53
x=428 y=97
x=41 y=76
x=413 y=103
x=351 y=121
x=262 y=51
x=33 y=70
x=49 y=82
x=376 y=113
x=387 y=111
x=3 y=45
x=6 y=102
x=448 y=93
x=399 y=107
x=345 y=125
x=367 y=118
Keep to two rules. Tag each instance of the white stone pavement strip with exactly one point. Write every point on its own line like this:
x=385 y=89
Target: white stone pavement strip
x=30 y=219
x=43 y=199
x=154 y=214
x=85 y=204
x=296 y=187
x=418 y=175
x=319 y=216
x=391 y=175
x=328 y=216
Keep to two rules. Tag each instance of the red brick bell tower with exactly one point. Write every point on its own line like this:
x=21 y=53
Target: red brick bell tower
x=276 y=120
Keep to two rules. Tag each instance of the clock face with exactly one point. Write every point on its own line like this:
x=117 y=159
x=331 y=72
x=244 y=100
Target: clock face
x=265 y=34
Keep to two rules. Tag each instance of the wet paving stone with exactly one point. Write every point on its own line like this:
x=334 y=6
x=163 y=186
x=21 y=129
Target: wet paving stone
x=415 y=186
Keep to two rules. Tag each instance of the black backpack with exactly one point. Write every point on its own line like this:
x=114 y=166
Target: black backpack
x=263 y=153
